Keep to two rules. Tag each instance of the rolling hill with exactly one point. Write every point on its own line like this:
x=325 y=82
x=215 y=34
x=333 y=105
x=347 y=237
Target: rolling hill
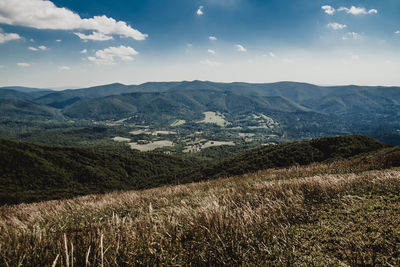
x=31 y=172
x=342 y=213
x=300 y=110
x=188 y=105
x=18 y=109
x=295 y=153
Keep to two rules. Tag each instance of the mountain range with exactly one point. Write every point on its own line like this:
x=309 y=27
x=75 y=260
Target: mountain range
x=301 y=109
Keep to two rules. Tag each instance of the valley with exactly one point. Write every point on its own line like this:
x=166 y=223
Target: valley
x=198 y=116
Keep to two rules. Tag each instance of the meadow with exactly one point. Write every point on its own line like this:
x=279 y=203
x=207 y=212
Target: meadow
x=343 y=213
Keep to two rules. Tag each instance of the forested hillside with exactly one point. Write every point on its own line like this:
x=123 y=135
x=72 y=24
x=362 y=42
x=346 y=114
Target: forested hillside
x=31 y=172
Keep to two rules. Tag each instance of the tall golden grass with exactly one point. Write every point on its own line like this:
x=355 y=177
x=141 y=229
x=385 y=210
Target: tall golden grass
x=269 y=218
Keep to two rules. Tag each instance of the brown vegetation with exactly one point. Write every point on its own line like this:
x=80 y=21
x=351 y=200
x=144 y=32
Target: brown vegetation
x=341 y=213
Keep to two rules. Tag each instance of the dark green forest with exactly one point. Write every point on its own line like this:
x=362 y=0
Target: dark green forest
x=30 y=172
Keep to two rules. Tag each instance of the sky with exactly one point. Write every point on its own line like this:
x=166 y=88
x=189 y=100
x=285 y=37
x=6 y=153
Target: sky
x=75 y=43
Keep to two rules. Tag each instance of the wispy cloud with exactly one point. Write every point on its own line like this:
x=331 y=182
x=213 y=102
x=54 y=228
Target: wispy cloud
x=397 y=32
x=210 y=62
x=199 y=11
x=95 y=36
x=58 y=40
x=357 y=10
x=211 y=51
x=83 y=51
x=5 y=37
x=188 y=48
x=23 y=64
x=41 y=48
x=212 y=38
x=328 y=10
x=336 y=26
x=41 y=14
x=354 y=35
x=109 y=55
x=64 y=68
x=240 y=48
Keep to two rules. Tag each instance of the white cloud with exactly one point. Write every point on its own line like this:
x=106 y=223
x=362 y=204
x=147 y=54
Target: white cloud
x=64 y=68
x=32 y=40
x=108 y=55
x=354 y=35
x=5 y=37
x=23 y=64
x=357 y=10
x=240 y=48
x=210 y=62
x=58 y=40
x=397 y=32
x=83 y=51
x=336 y=26
x=211 y=51
x=41 y=47
x=328 y=10
x=212 y=38
x=42 y=14
x=199 y=11
x=271 y=54
x=95 y=36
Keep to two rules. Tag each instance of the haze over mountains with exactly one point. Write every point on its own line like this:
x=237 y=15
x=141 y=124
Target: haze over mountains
x=300 y=109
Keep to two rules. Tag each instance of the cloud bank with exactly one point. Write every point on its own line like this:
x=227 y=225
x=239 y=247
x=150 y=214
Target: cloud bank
x=41 y=14
x=352 y=10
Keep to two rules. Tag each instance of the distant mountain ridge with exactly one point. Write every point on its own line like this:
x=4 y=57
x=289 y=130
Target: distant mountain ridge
x=301 y=109
x=24 y=89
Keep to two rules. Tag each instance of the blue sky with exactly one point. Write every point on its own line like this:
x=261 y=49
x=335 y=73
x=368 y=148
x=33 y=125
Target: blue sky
x=83 y=43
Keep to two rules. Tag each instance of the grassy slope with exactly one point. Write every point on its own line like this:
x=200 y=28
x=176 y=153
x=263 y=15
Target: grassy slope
x=316 y=215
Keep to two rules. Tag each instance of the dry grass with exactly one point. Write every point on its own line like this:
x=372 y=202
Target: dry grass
x=312 y=215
